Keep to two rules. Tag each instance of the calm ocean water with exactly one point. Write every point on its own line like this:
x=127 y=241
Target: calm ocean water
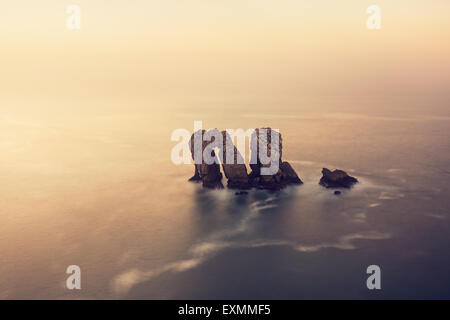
x=96 y=188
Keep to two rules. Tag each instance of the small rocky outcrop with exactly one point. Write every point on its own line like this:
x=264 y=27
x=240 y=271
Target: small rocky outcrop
x=209 y=174
x=336 y=179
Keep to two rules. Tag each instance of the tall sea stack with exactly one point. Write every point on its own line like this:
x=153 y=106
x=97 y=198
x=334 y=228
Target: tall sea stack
x=272 y=174
x=234 y=168
x=209 y=174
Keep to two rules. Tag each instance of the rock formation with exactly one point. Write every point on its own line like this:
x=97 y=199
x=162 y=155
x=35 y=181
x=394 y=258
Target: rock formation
x=234 y=169
x=262 y=138
x=268 y=172
x=336 y=179
x=209 y=174
x=283 y=173
x=288 y=174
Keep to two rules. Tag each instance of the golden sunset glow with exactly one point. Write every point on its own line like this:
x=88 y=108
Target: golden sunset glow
x=86 y=118
x=148 y=49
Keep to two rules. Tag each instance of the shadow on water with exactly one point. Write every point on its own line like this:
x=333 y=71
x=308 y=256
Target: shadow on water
x=244 y=251
x=227 y=221
x=219 y=210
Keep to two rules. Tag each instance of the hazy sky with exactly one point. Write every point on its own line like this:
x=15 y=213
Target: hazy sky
x=143 y=49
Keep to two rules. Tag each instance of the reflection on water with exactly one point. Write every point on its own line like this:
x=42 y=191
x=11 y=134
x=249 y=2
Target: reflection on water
x=99 y=191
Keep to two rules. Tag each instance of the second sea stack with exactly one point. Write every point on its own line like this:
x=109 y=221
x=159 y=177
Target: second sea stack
x=271 y=143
